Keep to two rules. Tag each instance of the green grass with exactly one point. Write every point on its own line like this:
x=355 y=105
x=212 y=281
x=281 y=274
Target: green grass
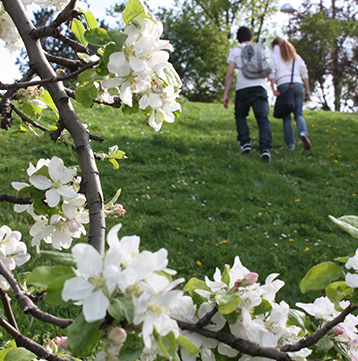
x=188 y=189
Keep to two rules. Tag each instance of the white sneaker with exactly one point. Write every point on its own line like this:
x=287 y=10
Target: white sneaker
x=305 y=141
x=266 y=156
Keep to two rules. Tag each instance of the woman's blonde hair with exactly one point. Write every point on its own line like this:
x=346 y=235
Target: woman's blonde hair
x=287 y=50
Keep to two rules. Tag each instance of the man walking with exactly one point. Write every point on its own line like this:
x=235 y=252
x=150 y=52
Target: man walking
x=250 y=92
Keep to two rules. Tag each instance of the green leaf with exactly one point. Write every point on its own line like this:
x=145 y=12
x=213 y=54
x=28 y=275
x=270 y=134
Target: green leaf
x=102 y=66
x=114 y=163
x=89 y=76
x=320 y=276
x=196 y=284
x=97 y=37
x=189 y=346
x=120 y=309
x=82 y=336
x=167 y=344
x=231 y=317
x=19 y=354
x=53 y=294
x=4 y=352
x=348 y=224
x=132 y=349
x=47 y=99
x=43 y=276
x=227 y=303
x=226 y=275
x=91 y=20
x=133 y=9
x=263 y=307
x=79 y=30
x=296 y=318
x=118 y=37
x=62 y=258
x=85 y=94
x=197 y=299
x=337 y=291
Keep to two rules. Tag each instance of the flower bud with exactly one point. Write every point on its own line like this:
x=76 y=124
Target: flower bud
x=250 y=279
x=337 y=330
x=118 y=336
x=61 y=341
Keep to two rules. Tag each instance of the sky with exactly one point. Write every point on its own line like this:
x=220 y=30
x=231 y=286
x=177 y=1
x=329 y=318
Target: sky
x=9 y=72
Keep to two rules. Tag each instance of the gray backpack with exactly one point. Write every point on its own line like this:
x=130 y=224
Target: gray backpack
x=254 y=61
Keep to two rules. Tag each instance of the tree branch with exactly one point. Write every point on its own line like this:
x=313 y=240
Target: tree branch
x=13 y=199
x=28 y=306
x=8 y=310
x=238 y=344
x=320 y=333
x=85 y=156
x=22 y=341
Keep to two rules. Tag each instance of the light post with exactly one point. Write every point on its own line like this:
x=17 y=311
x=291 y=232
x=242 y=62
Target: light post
x=288 y=8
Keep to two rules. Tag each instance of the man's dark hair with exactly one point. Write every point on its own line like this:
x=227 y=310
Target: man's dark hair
x=244 y=34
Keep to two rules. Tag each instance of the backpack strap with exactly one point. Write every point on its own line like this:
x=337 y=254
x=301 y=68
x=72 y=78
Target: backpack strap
x=292 y=71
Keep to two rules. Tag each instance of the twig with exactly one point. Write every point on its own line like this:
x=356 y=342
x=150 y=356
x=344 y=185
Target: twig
x=207 y=318
x=30 y=345
x=28 y=306
x=27 y=119
x=8 y=310
x=238 y=344
x=320 y=333
x=13 y=199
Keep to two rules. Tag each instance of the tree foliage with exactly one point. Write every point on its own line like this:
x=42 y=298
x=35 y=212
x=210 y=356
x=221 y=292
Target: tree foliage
x=327 y=38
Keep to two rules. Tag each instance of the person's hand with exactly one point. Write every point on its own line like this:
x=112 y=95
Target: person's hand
x=276 y=93
x=226 y=101
x=307 y=94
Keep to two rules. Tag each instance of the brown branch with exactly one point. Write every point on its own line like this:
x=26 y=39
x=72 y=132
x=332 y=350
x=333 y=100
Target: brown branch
x=22 y=341
x=26 y=119
x=8 y=310
x=71 y=64
x=19 y=85
x=320 y=333
x=14 y=200
x=207 y=318
x=238 y=344
x=28 y=306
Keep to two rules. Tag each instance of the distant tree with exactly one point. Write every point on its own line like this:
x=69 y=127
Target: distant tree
x=327 y=38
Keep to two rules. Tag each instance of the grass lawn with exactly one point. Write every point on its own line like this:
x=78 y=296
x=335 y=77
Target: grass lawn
x=189 y=190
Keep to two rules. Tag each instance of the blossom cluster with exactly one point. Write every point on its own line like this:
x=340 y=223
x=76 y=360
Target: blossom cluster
x=136 y=279
x=141 y=71
x=13 y=252
x=8 y=31
x=346 y=333
x=240 y=299
x=59 y=209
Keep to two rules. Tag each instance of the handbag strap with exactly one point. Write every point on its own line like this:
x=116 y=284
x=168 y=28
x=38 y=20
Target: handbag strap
x=292 y=71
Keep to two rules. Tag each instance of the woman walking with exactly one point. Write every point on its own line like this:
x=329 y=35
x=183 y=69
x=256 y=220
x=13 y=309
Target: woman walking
x=284 y=60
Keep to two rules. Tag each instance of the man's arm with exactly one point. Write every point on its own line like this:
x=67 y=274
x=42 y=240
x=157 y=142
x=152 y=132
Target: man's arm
x=228 y=81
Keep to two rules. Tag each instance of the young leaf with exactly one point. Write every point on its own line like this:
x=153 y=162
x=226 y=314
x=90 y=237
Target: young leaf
x=337 y=291
x=97 y=37
x=196 y=284
x=43 y=276
x=132 y=348
x=167 y=344
x=62 y=258
x=348 y=224
x=121 y=308
x=54 y=290
x=227 y=303
x=320 y=276
x=91 y=20
x=85 y=94
x=82 y=336
x=19 y=354
x=118 y=37
x=133 y=9
x=79 y=30
x=189 y=346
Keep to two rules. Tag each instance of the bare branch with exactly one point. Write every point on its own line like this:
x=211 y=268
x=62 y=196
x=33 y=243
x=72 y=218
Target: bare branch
x=8 y=310
x=207 y=318
x=13 y=199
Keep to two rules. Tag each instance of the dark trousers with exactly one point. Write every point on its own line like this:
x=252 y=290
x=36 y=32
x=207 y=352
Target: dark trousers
x=255 y=97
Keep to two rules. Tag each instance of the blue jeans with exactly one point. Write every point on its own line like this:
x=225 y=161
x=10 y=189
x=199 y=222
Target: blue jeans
x=299 y=92
x=255 y=97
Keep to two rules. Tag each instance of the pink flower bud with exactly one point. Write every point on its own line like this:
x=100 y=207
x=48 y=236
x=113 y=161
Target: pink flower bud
x=120 y=209
x=61 y=341
x=118 y=336
x=337 y=330
x=250 y=279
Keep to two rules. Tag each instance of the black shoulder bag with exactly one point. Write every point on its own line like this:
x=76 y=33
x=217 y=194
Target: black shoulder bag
x=285 y=102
